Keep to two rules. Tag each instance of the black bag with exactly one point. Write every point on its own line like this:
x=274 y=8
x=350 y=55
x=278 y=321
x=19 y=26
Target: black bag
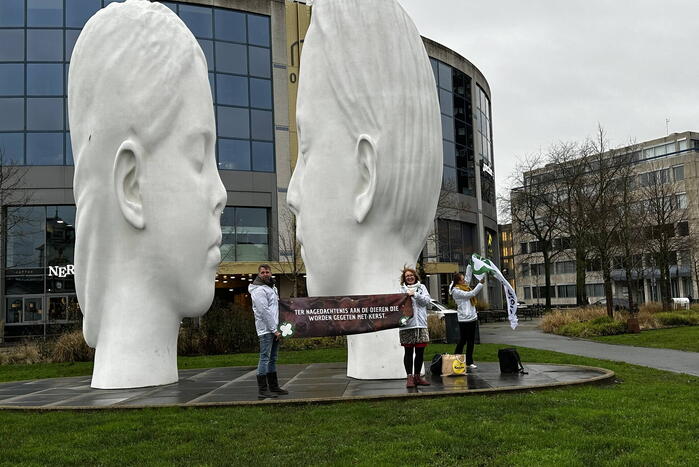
x=510 y=361
x=436 y=365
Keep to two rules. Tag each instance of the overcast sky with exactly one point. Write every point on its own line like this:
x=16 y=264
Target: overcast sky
x=558 y=67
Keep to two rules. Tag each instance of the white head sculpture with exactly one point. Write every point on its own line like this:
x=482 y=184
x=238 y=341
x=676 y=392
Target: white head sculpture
x=147 y=189
x=369 y=170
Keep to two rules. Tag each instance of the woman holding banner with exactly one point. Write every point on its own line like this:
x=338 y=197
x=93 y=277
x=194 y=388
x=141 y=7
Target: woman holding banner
x=465 y=299
x=414 y=336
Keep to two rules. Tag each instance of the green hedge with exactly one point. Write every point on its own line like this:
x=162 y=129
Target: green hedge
x=678 y=318
x=603 y=326
x=228 y=328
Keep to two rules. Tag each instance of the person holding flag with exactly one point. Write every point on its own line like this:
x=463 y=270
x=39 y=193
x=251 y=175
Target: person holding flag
x=467 y=315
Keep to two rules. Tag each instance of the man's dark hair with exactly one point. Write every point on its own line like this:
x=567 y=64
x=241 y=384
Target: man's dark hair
x=263 y=266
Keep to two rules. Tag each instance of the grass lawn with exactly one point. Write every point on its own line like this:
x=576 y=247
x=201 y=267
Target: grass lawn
x=679 y=338
x=647 y=418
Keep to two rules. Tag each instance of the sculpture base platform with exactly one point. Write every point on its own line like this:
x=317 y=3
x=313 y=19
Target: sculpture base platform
x=312 y=383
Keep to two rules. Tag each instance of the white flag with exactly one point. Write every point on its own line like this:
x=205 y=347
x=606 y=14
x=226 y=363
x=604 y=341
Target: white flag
x=483 y=266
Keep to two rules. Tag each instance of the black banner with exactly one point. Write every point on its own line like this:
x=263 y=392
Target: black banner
x=340 y=316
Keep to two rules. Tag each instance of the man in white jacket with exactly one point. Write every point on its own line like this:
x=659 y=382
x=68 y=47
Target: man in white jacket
x=265 y=306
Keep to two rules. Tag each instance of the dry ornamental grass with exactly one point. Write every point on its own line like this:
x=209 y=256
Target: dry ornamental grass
x=650 y=316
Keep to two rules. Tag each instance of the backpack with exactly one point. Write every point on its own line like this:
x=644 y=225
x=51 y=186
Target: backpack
x=436 y=365
x=510 y=361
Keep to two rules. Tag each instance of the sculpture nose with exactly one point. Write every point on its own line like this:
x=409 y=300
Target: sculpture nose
x=220 y=196
x=293 y=194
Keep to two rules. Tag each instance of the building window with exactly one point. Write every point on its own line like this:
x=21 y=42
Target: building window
x=567 y=291
x=483 y=139
x=36 y=43
x=678 y=173
x=524 y=269
x=40 y=243
x=594 y=290
x=454 y=91
x=565 y=267
x=456 y=241
x=245 y=234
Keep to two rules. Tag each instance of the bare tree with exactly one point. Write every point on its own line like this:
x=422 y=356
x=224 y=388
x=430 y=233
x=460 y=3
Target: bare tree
x=571 y=185
x=534 y=209
x=13 y=195
x=290 y=261
x=632 y=232
x=609 y=170
x=668 y=233
x=694 y=258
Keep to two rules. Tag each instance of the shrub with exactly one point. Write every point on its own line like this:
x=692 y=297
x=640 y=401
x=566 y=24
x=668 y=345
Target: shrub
x=228 y=328
x=602 y=326
x=436 y=328
x=71 y=347
x=647 y=319
x=557 y=318
x=310 y=343
x=482 y=305
x=190 y=340
x=25 y=353
x=678 y=318
x=651 y=307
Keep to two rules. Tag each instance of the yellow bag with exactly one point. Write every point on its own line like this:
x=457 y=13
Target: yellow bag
x=453 y=365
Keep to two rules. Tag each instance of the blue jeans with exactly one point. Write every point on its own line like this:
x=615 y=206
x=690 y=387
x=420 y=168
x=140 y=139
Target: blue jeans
x=269 y=346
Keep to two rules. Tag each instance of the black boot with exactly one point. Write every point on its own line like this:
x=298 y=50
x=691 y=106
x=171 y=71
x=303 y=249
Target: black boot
x=262 y=392
x=274 y=384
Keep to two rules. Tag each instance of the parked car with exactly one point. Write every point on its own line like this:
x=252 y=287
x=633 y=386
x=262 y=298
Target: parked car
x=617 y=303
x=521 y=305
x=439 y=309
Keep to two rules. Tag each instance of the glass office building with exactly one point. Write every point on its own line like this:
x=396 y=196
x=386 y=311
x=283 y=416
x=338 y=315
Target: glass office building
x=252 y=50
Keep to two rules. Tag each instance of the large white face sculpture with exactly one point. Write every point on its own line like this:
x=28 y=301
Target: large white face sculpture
x=368 y=175
x=147 y=189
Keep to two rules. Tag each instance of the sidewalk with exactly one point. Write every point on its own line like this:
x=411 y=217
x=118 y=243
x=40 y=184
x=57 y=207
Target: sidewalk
x=528 y=335
x=306 y=383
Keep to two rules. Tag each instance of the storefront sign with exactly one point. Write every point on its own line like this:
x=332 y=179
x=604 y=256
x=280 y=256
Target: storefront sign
x=61 y=271
x=339 y=316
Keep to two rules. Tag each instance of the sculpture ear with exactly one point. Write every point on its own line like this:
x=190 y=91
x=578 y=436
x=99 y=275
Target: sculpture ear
x=366 y=188
x=126 y=183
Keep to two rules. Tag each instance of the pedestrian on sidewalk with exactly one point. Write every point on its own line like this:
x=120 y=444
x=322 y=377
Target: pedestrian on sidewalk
x=414 y=336
x=467 y=315
x=265 y=306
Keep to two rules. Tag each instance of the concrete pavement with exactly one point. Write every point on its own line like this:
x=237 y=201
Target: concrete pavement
x=528 y=335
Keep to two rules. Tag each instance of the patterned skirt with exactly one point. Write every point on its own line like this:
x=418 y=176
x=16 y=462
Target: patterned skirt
x=417 y=337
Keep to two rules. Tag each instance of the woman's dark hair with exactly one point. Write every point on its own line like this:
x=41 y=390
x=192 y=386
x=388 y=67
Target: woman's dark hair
x=402 y=275
x=456 y=278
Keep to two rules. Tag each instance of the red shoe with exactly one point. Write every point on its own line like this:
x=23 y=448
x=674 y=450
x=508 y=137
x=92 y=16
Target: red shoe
x=411 y=382
x=420 y=381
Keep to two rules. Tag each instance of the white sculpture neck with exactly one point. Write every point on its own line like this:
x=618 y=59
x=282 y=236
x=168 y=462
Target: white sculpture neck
x=137 y=343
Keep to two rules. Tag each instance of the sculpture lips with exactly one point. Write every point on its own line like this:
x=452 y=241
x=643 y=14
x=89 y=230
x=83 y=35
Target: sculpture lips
x=219 y=240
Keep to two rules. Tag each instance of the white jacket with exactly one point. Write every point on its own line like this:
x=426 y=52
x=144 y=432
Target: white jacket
x=464 y=308
x=420 y=301
x=265 y=305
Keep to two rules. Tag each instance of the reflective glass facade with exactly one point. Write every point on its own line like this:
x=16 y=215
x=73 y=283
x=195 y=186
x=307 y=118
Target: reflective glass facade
x=39 y=285
x=36 y=42
x=454 y=89
x=245 y=234
x=39 y=246
x=485 y=145
x=457 y=241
